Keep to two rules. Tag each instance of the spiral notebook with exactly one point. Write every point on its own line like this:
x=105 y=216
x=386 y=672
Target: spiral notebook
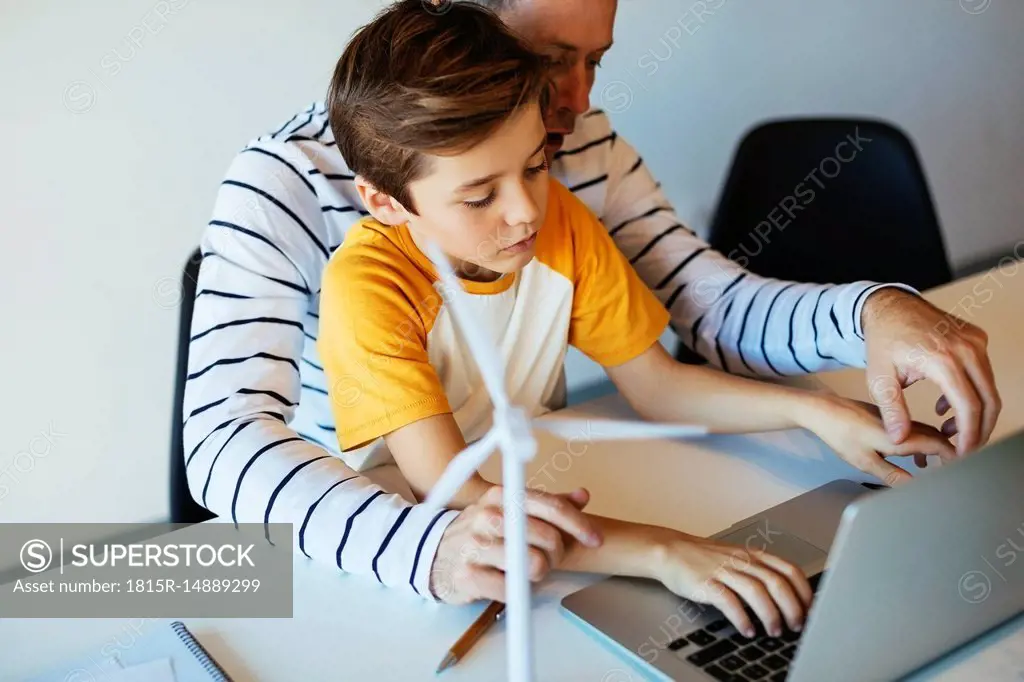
x=167 y=645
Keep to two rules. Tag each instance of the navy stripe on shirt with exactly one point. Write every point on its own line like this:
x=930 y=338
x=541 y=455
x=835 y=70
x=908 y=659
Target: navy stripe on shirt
x=279 y=488
x=309 y=513
x=247 y=321
x=419 y=550
x=235 y=361
x=351 y=521
x=291 y=214
x=248 y=465
x=387 y=541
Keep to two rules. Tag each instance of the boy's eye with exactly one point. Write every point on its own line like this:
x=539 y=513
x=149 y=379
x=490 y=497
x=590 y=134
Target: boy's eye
x=537 y=170
x=594 y=63
x=481 y=203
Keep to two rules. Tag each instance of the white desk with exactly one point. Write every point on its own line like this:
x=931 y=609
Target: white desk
x=350 y=628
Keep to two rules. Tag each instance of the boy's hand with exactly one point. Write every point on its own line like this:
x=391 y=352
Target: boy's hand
x=857 y=434
x=470 y=559
x=730 y=578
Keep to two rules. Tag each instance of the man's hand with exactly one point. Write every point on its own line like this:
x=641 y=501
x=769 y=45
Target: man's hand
x=909 y=339
x=470 y=559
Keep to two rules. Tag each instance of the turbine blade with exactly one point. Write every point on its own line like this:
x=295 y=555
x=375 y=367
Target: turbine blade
x=616 y=429
x=460 y=469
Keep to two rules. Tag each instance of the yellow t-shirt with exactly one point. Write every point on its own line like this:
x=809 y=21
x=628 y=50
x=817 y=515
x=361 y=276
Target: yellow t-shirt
x=393 y=356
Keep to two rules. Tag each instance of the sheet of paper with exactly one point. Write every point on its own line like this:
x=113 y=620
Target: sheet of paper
x=155 y=671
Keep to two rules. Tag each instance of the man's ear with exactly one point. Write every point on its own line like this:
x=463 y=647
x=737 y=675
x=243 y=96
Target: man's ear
x=383 y=207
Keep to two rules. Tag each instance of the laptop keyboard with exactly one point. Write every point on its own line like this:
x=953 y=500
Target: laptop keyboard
x=724 y=654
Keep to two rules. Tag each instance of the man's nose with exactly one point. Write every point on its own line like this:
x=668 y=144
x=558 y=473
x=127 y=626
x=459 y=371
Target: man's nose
x=574 y=91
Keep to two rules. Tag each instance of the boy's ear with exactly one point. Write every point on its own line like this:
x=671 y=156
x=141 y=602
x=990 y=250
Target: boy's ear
x=383 y=207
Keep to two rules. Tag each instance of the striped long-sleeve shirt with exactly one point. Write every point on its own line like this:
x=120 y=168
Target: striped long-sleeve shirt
x=259 y=432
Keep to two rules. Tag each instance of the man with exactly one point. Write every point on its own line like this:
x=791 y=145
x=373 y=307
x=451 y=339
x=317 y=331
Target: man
x=287 y=203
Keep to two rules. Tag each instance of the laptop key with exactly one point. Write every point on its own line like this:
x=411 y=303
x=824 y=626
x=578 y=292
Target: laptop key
x=779 y=676
x=770 y=644
x=701 y=638
x=732 y=662
x=751 y=653
x=739 y=638
x=790 y=636
x=717 y=625
x=754 y=672
x=712 y=653
x=723 y=675
x=789 y=652
x=677 y=644
x=774 y=662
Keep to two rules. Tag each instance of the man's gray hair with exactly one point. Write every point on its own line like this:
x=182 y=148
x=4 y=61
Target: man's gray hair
x=496 y=5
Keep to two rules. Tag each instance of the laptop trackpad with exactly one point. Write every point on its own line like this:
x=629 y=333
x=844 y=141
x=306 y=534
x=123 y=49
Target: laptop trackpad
x=765 y=536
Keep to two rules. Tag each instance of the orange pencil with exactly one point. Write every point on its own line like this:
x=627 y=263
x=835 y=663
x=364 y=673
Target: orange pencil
x=491 y=615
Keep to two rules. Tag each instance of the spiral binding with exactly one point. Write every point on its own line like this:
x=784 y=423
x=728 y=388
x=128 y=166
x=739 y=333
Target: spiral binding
x=215 y=672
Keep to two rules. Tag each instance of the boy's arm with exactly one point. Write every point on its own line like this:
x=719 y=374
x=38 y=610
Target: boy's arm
x=424 y=449
x=661 y=389
x=692 y=567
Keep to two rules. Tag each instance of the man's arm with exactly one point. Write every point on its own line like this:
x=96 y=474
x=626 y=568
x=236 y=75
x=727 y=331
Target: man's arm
x=737 y=320
x=263 y=252
x=752 y=325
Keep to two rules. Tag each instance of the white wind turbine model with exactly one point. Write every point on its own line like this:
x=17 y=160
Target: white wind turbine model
x=512 y=433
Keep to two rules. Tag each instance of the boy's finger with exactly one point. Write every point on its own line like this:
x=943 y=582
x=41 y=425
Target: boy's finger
x=791 y=573
x=579 y=497
x=756 y=595
x=782 y=593
x=544 y=537
x=731 y=606
x=563 y=515
x=885 y=472
x=927 y=441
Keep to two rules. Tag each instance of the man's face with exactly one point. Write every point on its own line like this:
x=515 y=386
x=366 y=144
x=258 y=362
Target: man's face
x=574 y=35
x=483 y=207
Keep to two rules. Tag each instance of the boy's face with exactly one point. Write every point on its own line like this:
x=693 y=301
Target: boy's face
x=574 y=34
x=484 y=207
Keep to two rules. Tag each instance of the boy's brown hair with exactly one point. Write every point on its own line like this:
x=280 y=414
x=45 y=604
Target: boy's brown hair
x=426 y=78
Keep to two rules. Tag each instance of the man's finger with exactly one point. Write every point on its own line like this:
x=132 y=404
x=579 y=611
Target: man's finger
x=959 y=390
x=486 y=582
x=886 y=392
x=564 y=515
x=942 y=405
x=949 y=427
x=979 y=370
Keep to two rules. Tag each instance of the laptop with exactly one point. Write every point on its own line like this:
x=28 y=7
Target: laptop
x=902 y=576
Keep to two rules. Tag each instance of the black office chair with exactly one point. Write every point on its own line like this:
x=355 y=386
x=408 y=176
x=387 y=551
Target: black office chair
x=830 y=201
x=184 y=509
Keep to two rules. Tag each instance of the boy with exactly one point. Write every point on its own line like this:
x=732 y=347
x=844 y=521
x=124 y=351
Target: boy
x=445 y=132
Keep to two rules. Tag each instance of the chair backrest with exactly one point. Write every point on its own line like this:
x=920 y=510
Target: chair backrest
x=183 y=508
x=830 y=201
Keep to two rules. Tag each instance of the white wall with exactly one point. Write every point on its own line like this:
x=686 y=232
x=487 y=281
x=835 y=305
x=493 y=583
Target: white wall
x=113 y=153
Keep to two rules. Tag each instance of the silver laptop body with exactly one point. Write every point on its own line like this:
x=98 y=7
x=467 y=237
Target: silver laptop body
x=912 y=573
